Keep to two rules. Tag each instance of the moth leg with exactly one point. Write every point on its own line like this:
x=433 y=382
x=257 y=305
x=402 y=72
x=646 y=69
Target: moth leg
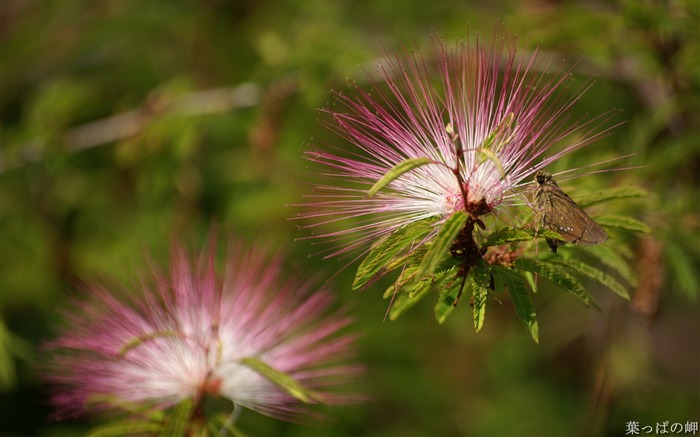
x=553 y=244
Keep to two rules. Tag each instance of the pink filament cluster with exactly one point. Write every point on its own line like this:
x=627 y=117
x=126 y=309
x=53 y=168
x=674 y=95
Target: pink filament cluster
x=478 y=110
x=183 y=335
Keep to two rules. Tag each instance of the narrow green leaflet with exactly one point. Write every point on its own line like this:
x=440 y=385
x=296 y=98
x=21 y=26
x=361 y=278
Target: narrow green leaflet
x=283 y=380
x=493 y=157
x=441 y=244
x=428 y=283
x=138 y=341
x=506 y=278
x=612 y=259
x=384 y=250
x=480 y=291
x=595 y=274
x=179 y=418
x=223 y=423
x=627 y=223
x=126 y=427
x=556 y=274
x=508 y=235
x=446 y=300
x=404 y=278
x=411 y=258
x=611 y=194
x=399 y=169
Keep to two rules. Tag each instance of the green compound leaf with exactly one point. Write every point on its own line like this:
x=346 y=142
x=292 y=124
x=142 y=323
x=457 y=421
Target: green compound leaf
x=506 y=278
x=611 y=194
x=627 y=223
x=441 y=244
x=595 y=274
x=612 y=258
x=396 y=171
x=411 y=258
x=480 y=290
x=446 y=300
x=556 y=274
x=282 y=380
x=418 y=291
x=179 y=418
x=404 y=278
x=386 y=249
x=508 y=235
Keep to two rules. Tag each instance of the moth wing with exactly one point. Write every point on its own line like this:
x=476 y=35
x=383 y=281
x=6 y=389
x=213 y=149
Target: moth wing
x=563 y=216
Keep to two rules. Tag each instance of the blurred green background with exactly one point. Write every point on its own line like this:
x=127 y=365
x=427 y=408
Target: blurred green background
x=125 y=123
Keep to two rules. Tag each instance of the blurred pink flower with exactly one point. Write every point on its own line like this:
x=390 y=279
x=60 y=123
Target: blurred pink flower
x=183 y=335
x=486 y=125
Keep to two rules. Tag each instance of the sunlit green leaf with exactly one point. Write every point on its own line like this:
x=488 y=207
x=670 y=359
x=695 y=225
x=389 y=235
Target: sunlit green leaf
x=178 y=418
x=595 y=274
x=506 y=278
x=137 y=341
x=226 y=424
x=627 y=223
x=411 y=258
x=398 y=170
x=283 y=380
x=447 y=299
x=480 y=292
x=441 y=244
x=404 y=278
x=611 y=194
x=418 y=291
x=508 y=235
x=557 y=275
x=610 y=256
x=384 y=250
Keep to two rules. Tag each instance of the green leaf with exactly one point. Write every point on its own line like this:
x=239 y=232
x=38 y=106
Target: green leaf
x=385 y=249
x=138 y=341
x=404 y=278
x=410 y=258
x=126 y=427
x=491 y=156
x=396 y=171
x=224 y=423
x=611 y=258
x=520 y=296
x=417 y=292
x=480 y=291
x=178 y=419
x=440 y=247
x=611 y=194
x=446 y=301
x=595 y=274
x=282 y=380
x=627 y=223
x=508 y=235
x=556 y=274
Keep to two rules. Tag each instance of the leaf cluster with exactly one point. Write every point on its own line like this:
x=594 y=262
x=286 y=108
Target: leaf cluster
x=508 y=265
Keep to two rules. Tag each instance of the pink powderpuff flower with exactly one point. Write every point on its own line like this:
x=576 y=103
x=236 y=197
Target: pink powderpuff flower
x=184 y=335
x=485 y=126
